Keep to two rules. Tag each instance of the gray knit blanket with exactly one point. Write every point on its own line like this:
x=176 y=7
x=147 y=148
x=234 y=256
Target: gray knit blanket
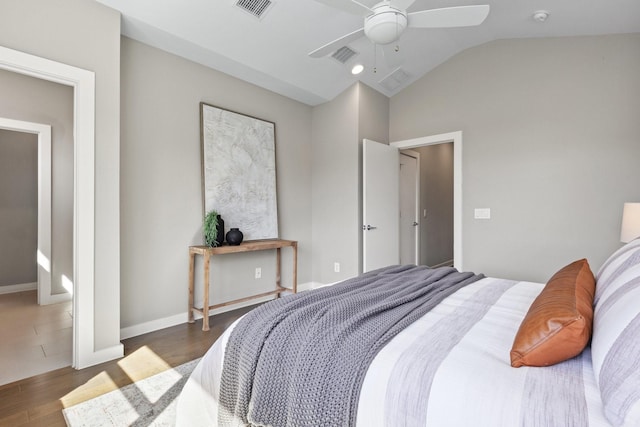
x=300 y=361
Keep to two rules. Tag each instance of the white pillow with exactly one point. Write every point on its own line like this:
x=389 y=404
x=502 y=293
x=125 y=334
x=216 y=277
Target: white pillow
x=615 y=345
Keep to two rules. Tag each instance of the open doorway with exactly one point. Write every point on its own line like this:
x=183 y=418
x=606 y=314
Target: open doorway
x=455 y=139
x=37 y=311
x=48 y=117
x=85 y=322
x=410 y=224
x=426 y=205
x=82 y=81
x=18 y=211
x=380 y=205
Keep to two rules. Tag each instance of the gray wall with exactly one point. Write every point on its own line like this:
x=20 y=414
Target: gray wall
x=436 y=196
x=85 y=34
x=335 y=187
x=34 y=100
x=18 y=207
x=338 y=129
x=161 y=188
x=550 y=136
x=373 y=115
x=550 y=144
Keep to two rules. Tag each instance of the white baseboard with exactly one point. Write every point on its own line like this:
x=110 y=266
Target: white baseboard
x=153 y=325
x=100 y=356
x=443 y=264
x=177 y=319
x=54 y=299
x=10 y=289
x=44 y=299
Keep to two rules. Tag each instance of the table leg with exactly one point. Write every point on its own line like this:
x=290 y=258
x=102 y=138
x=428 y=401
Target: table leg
x=278 y=267
x=205 y=304
x=192 y=257
x=295 y=267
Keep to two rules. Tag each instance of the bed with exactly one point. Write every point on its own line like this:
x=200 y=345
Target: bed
x=452 y=365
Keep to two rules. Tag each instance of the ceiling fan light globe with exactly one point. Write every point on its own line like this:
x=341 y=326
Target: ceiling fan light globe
x=357 y=69
x=385 y=25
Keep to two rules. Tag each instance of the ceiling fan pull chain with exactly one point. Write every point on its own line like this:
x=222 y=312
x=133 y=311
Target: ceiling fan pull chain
x=375 y=55
x=397 y=48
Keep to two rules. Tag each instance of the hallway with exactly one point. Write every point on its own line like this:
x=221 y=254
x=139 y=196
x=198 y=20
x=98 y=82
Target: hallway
x=34 y=339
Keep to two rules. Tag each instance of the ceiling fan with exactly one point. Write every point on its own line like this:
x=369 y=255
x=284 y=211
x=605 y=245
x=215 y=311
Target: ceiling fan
x=384 y=22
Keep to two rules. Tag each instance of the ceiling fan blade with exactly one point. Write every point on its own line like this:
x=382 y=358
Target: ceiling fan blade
x=392 y=56
x=336 y=44
x=348 y=6
x=460 y=16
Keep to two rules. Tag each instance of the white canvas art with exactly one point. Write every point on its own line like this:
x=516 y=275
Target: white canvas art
x=239 y=171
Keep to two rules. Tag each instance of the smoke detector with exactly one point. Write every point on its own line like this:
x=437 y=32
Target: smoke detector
x=540 y=15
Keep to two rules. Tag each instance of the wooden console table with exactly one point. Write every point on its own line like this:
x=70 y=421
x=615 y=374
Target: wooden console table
x=249 y=246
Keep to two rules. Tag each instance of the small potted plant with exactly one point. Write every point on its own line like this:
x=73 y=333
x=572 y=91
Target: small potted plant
x=213 y=228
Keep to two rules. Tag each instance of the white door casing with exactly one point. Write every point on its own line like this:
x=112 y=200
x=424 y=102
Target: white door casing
x=380 y=201
x=409 y=207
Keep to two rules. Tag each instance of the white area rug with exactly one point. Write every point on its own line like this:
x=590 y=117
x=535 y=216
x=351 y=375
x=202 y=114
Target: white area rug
x=149 y=402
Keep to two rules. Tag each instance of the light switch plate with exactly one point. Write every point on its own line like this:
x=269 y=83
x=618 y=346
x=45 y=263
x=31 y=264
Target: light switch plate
x=482 y=213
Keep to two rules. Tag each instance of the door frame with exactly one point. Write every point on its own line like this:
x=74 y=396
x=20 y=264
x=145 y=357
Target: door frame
x=84 y=92
x=43 y=256
x=416 y=155
x=456 y=139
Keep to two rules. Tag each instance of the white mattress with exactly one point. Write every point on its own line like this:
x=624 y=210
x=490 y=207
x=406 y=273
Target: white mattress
x=414 y=382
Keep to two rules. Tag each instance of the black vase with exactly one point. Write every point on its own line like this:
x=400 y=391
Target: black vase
x=220 y=228
x=234 y=237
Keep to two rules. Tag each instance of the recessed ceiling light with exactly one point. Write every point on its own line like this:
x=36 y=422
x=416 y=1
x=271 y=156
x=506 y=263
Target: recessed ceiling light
x=357 y=69
x=540 y=15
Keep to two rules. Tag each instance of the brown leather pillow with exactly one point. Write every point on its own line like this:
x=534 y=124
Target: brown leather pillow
x=558 y=324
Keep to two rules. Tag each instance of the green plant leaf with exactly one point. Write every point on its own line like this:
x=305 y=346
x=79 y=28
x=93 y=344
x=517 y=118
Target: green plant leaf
x=210 y=228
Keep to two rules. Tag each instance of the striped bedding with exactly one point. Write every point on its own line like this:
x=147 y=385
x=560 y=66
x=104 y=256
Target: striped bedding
x=616 y=335
x=450 y=368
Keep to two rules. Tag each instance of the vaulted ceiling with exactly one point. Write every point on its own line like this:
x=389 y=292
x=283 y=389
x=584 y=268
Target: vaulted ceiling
x=272 y=50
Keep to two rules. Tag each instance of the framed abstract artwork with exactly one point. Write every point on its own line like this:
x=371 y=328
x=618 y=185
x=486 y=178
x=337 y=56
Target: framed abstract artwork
x=239 y=171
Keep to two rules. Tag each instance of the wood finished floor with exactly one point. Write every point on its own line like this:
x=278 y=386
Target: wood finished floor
x=39 y=400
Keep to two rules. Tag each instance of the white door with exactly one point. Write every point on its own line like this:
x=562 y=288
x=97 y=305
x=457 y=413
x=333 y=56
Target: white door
x=409 y=194
x=380 y=201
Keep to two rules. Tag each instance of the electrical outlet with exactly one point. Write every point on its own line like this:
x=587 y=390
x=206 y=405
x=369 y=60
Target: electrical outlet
x=336 y=267
x=258 y=273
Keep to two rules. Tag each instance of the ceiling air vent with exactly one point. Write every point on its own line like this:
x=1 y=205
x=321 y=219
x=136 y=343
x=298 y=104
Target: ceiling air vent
x=344 y=54
x=255 y=7
x=395 y=79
